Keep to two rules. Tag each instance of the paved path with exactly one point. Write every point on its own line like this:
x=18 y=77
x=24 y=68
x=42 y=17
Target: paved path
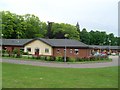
x=65 y=65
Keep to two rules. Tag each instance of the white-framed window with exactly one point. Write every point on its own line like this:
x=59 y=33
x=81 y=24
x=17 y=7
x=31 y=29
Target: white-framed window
x=28 y=49
x=71 y=50
x=64 y=50
x=76 y=51
x=58 y=50
x=46 y=50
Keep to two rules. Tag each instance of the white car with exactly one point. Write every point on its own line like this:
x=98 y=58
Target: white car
x=113 y=54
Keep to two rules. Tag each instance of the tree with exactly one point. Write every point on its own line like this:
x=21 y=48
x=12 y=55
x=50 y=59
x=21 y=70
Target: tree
x=62 y=29
x=118 y=41
x=18 y=26
x=29 y=26
x=78 y=27
x=85 y=36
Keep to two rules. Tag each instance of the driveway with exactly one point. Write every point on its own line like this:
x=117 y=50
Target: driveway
x=65 y=65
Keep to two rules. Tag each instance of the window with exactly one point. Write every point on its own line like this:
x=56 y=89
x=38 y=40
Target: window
x=70 y=50
x=28 y=49
x=64 y=50
x=76 y=51
x=46 y=50
x=58 y=50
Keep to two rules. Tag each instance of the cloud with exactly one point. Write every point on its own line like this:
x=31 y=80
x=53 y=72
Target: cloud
x=101 y=12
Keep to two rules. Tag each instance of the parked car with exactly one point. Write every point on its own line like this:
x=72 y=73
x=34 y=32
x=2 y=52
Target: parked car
x=113 y=54
x=99 y=54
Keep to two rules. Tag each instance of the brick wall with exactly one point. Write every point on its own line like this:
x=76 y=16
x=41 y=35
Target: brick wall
x=70 y=52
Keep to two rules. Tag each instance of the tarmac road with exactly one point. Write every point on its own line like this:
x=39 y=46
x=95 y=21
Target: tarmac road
x=65 y=65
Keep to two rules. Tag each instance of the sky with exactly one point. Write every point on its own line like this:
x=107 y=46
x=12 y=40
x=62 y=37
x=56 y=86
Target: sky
x=101 y=15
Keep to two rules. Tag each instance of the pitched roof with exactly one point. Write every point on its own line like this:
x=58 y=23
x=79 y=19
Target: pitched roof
x=51 y=42
x=104 y=47
x=63 y=42
x=16 y=42
x=54 y=43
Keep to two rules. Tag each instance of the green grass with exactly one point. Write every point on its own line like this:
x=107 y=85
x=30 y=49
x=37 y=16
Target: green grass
x=0 y=76
x=26 y=76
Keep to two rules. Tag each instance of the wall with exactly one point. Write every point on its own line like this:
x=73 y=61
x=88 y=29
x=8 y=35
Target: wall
x=11 y=48
x=38 y=44
x=81 y=52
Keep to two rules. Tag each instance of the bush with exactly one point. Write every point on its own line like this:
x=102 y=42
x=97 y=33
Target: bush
x=25 y=53
x=52 y=58
x=47 y=58
x=3 y=52
x=80 y=59
x=59 y=59
x=42 y=57
x=71 y=60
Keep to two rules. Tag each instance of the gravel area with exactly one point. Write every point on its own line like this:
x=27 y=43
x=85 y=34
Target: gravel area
x=65 y=65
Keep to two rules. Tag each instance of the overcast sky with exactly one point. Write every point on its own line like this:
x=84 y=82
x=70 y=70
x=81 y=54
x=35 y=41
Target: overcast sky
x=91 y=14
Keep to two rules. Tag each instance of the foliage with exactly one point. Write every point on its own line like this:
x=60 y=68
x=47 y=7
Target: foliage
x=3 y=52
x=27 y=76
x=16 y=53
x=71 y=59
x=25 y=53
x=18 y=26
x=59 y=31
x=29 y=26
x=59 y=59
x=98 y=38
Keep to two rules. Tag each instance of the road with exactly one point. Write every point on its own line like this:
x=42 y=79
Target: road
x=65 y=65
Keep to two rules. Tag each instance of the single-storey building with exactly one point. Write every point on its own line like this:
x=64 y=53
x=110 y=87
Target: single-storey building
x=111 y=49
x=48 y=47
x=11 y=44
x=54 y=47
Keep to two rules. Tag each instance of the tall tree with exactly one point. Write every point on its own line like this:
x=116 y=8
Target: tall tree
x=49 y=32
x=61 y=29
x=85 y=36
x=78 y=27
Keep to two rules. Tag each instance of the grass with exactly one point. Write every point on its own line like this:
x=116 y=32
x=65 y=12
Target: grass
x=26 y=76
x=0 y=76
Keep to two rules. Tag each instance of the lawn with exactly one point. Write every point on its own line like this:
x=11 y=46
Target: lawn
x=26 y=76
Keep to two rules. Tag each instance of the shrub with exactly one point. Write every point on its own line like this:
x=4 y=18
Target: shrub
x=52 y=58
x=3 y=52
x=92 y=58
x=77 y=59
x=59 y=59
x=25 y=53
x=71 y=60
x=47 y=58
x=42 y=57
x=81 y=59
x=15 y=53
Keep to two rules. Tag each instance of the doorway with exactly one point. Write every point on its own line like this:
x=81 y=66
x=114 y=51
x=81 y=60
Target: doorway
x=37 y=51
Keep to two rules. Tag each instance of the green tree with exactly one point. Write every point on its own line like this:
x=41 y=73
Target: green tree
x=78 y=27
x=59 y=30
x=85 y=36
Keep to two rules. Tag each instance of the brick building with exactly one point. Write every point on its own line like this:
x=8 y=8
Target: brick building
x=48 y=47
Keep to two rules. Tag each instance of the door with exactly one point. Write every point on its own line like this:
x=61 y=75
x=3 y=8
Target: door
x=37 y=51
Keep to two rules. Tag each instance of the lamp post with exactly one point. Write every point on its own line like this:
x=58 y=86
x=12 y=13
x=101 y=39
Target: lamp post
x=109 y=46
x=66 y=35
